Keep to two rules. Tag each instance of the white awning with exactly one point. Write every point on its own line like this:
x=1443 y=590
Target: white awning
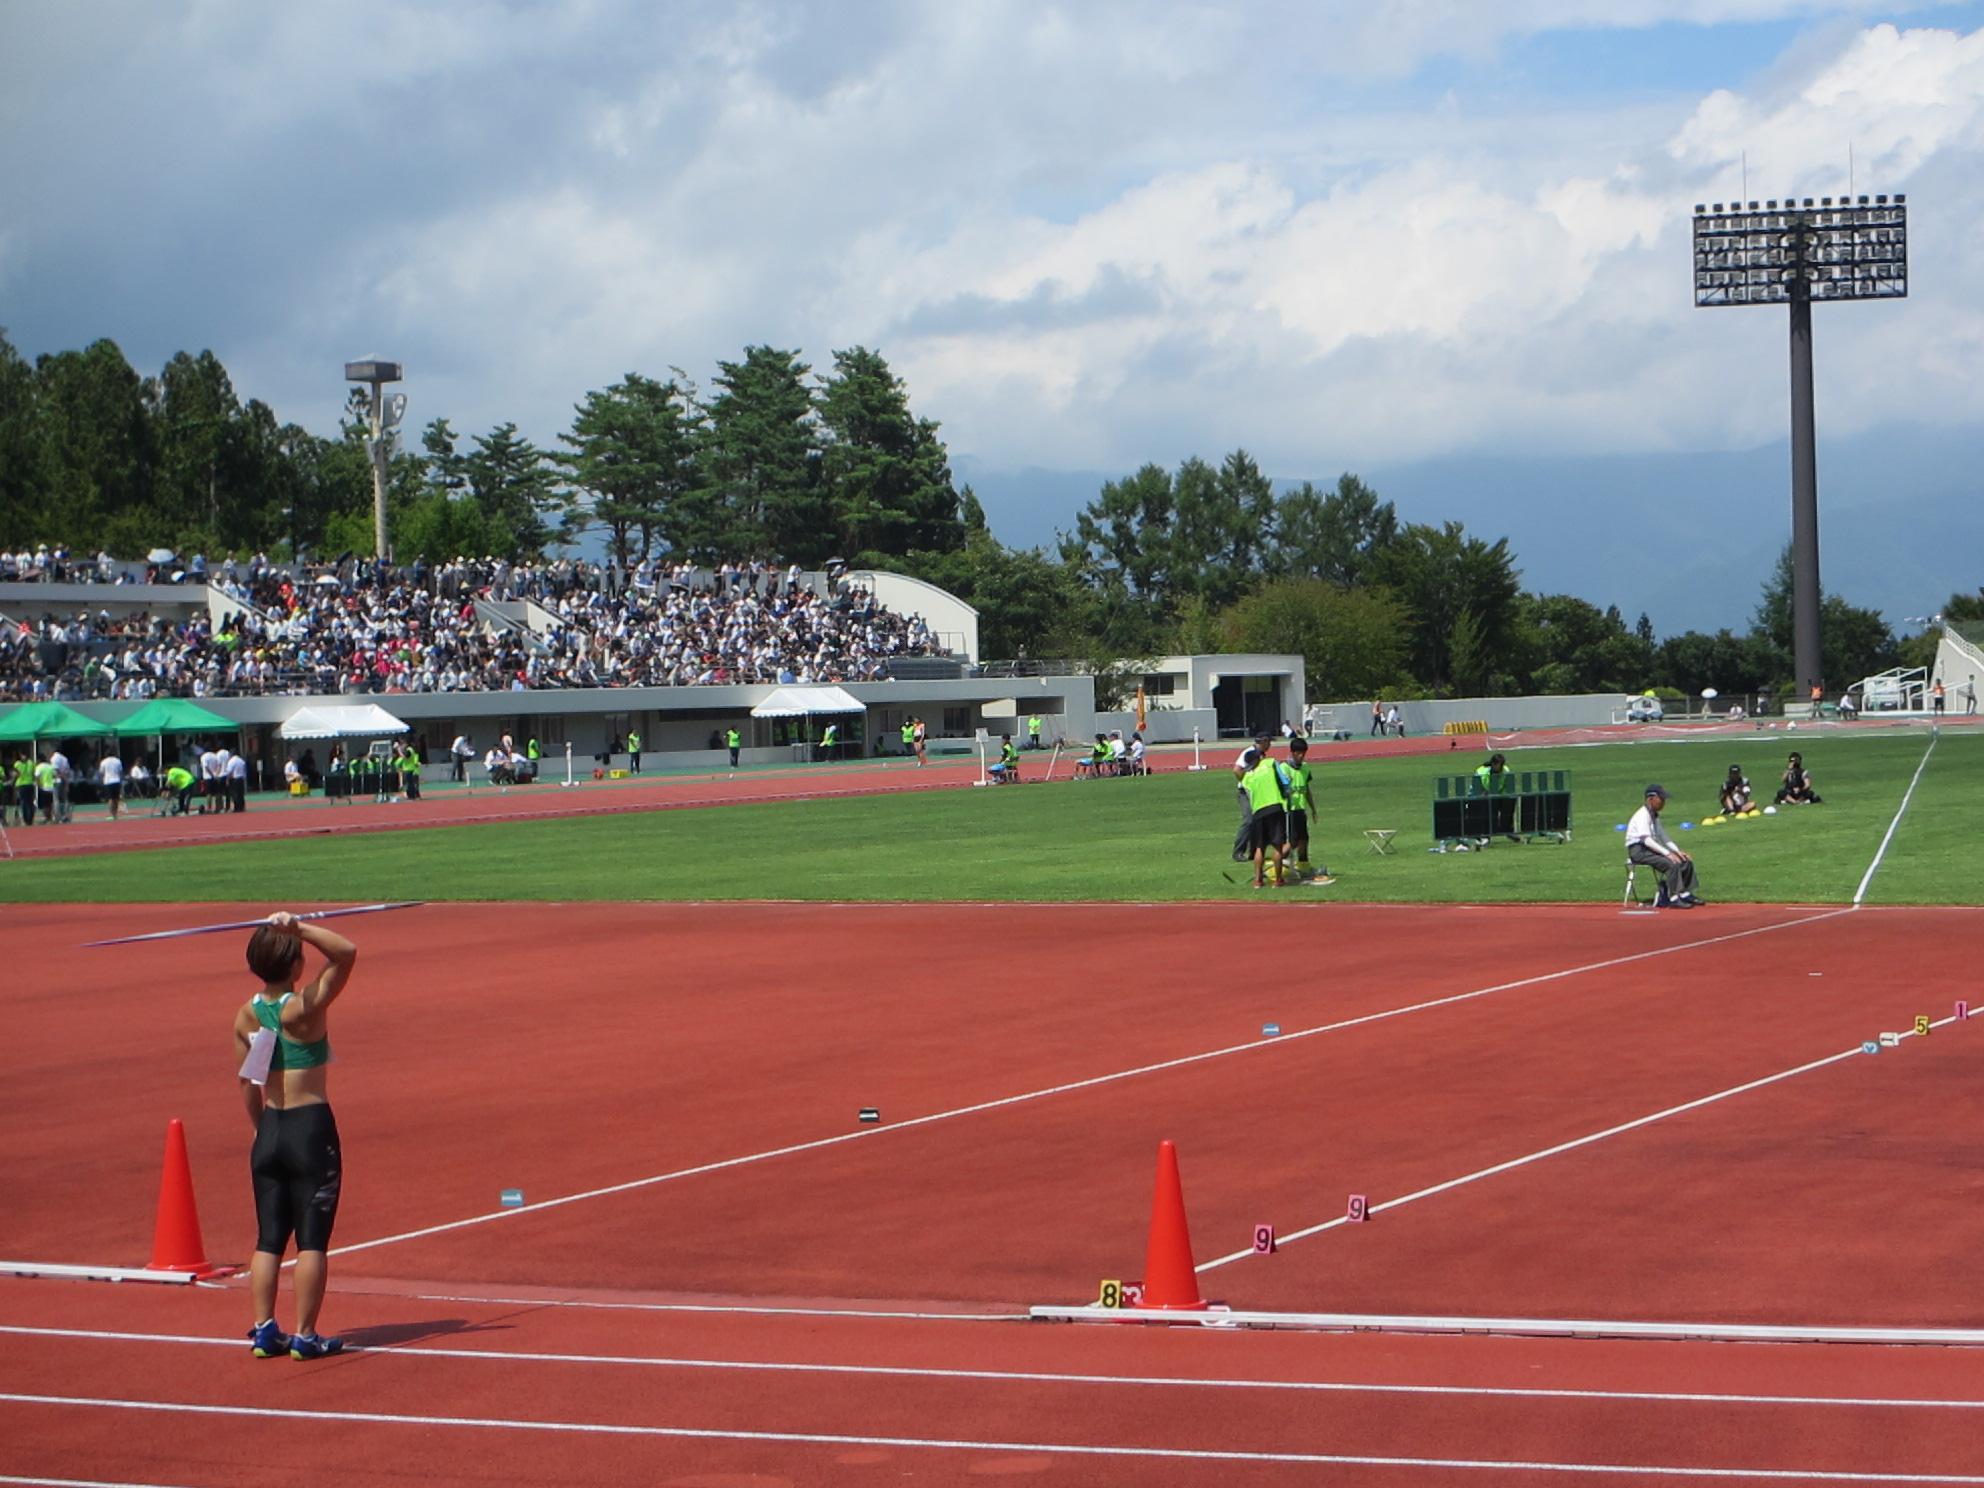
x=363 y=721
x=799 y=702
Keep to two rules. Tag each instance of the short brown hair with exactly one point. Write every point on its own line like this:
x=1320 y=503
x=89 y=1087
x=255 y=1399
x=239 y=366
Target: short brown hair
x=272 y=954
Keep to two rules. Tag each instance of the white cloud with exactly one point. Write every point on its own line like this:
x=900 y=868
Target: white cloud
x=1087 y=234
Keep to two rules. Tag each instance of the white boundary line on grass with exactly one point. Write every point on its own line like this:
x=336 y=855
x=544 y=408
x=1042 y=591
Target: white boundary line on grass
x=1059 y=1449
x=1881 y=852
x=818 y=1143
x=1050 y=1377
x=1856 y=1052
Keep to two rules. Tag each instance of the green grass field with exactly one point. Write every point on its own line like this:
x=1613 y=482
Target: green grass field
x=1162 y=838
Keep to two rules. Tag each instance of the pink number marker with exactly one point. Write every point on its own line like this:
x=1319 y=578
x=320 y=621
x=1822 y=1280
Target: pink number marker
x=1264 y=1240
x=1963 y=1012
x=1359 y=1209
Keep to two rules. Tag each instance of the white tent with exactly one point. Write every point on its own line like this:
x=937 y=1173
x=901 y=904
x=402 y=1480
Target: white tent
x=804 y=702
x=362 y=721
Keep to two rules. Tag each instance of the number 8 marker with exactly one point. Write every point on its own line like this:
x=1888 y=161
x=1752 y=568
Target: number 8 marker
x=1360 y=1209
x=1112 y=1295
x=1264 y=1240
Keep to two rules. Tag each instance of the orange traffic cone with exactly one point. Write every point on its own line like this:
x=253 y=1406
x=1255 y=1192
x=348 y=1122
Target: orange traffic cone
x=1170 y=1282
x=176 y=1244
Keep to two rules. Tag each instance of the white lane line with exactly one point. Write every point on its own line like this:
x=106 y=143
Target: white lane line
x=1881 y=851
x=72 y=1482
x=1067 y=1449
x=1048 y=1377
x=819 y=1143
x=1856 y=1052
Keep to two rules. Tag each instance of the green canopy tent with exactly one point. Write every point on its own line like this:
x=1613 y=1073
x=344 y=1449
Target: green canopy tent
x=162 y=716
x=32 y=722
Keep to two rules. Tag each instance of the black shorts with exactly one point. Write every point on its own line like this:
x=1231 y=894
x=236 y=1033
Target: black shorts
x=1298 y=829
x=112 y=792
x=1270 y=827
x=298 y=1172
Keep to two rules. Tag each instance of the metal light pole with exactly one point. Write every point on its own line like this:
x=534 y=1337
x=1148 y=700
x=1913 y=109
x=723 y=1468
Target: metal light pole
x=376 y=374
x=1793 y=254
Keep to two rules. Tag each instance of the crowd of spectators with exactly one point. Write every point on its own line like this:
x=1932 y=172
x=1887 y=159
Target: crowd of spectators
x=366 y=627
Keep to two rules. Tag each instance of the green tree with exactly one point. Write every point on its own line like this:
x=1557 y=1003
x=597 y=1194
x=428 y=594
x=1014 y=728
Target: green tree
x=96 y=447
x=1335 y=535
x=25 y=518
x=1352 y=641
x=885 y=474
x=1567 y=644
x=1853 y=642
x=1468 y=660
x=1438 y=572
x=515 y=484
x=447 y=470
x=757 y=479
x=1028 y=604
x=633 y=454
x=1123 y=537
x=1223 y=529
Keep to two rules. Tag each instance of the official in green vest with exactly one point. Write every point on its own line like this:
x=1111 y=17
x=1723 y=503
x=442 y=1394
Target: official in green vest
x=733 y=741
x=24 y=788
x=1269 y=829
x=908 y=736
x=531 y=751
x=830 y=740
x=1007 y=771
x=179 y=781
x=410 y=772
x=1299 y=780
x=633 y=752
x=1033 y=732
x=1495 y=778
x=44 y=787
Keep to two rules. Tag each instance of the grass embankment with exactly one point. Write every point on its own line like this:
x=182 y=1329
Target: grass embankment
x=1162 y=838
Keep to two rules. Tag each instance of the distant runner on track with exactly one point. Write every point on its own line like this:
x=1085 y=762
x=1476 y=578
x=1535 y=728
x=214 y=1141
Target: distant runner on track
x=282 y=1038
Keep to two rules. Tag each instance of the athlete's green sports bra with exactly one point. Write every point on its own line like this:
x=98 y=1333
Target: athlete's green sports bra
x=289 y=1053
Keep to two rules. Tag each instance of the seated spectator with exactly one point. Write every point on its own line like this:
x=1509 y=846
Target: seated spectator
x=1797 y=789
x=1137 y=765
x=1006 y=769
x=1849 y=706
x=1735 y=796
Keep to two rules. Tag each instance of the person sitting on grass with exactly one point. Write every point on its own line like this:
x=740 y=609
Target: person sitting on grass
x=1797 y=789
x=1649 y=846
x=1735 y=798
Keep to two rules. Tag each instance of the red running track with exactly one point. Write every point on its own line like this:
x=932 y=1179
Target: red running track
x=688 y=1036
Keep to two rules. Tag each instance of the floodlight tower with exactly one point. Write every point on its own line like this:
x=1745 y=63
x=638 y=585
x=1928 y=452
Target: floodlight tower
x=386 y=418
x=1793 y=253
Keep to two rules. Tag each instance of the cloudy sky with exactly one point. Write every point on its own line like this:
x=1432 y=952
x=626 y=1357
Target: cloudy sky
x=1381 y=235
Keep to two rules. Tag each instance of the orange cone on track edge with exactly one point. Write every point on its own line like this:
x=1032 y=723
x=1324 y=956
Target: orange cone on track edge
x=176 y=1244
x=1170 y=1282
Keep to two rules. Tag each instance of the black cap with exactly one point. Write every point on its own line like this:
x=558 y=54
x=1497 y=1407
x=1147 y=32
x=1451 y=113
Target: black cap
x=1657 y=790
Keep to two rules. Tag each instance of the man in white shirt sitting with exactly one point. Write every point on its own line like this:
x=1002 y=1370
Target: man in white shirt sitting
x=1648 y=845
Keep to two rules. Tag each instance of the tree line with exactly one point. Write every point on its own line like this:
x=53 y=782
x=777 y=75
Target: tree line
x=776 y=463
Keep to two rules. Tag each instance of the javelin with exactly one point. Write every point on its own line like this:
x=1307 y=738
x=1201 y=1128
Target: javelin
x=321 y=914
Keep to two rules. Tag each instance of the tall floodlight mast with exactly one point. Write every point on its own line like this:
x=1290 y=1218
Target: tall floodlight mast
x=1792 y=253
x=385 y=414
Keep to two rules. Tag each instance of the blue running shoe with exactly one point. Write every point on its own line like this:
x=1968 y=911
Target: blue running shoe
x=313 y=1346
x=267 y=1340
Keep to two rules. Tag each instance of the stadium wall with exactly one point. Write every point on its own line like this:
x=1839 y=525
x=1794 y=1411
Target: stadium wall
x=1503 y=715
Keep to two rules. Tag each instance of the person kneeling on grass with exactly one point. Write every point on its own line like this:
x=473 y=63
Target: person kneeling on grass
x=1735 y=799
x=1648 y=845
x=1797 y=789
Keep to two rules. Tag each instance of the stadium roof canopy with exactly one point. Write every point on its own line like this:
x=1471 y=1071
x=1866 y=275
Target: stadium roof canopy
x=362 y=721
x=803 y=702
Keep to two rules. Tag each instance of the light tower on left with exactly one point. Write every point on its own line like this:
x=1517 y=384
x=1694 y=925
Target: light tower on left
x=386 y=415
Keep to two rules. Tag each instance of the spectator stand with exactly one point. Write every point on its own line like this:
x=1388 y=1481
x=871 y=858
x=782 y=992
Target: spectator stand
x=1535 y=806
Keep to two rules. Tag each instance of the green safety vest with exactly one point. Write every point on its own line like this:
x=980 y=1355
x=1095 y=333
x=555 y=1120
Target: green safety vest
x=828 y=736
x=178 y=778
x=732 y=738
x=1009 y=753
x=1033 y=725
x=1298 y=787
x=633 y=742
x=530 y=750
x=1263 y=784
x=909 y=733
x=24 y=772
x=1491 y=784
